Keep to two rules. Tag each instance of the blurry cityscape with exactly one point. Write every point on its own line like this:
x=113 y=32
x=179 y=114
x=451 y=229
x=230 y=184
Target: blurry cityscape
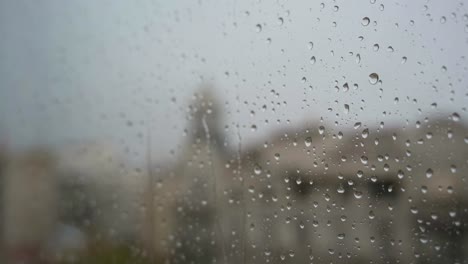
x=302 y=195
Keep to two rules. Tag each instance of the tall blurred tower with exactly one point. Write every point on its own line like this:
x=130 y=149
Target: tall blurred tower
x=183 y=193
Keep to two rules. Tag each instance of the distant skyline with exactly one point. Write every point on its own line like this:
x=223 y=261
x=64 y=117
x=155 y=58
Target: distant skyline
x=105 y=70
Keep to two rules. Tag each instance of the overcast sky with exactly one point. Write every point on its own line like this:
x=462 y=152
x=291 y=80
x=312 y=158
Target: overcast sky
x=73 y=71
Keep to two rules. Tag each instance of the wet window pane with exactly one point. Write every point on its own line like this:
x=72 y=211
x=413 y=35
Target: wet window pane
x=233 y=131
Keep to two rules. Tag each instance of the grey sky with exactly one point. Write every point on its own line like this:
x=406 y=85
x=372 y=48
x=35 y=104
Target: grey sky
x=104 y=70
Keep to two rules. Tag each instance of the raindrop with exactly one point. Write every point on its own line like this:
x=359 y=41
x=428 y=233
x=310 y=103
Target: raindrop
x=453 y=168
x=357 y=194
x=308 y=141
x=321 y=129
x=280 y=21
x=360 y=174
x=376 y=47
x=312 y=60
x=340 y=189
x=257 y=169
x=373 y=78
x=400 y=174
x=345 y=87
x=403 y=60
x=429 y=173
x=365 y=21
x=277 y=156
x=364 y=160
x=443 y=20
x=346 y=108
x=258 y=28
x=365 y=133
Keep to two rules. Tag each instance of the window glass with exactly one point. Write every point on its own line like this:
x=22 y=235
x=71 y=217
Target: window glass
x=233 y=131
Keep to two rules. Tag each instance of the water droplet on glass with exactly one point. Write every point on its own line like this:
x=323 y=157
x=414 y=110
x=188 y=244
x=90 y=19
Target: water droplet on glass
x=308 y=141
x=321 y=129
x=346 y=108
x=257 y=169
x=429 y=173
x=258 y=28
x=345 y=87
x=403 y=60
x=453 y=168
x=277 y=156
x=357 y=194
x=340 y=189
x=364 y=160
x=400 y=174
x=280 y=21
x=376 y=47
x=365 y=133
x=373 y=78
x=312 y=60
x=365 y=21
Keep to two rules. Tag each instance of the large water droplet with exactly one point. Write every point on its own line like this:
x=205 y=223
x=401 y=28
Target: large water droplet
x=321 y=129
x=429 y=173
x=376 y=47
x=257 y=169
x=365 y=133
x=373 y=78
x=365 y=21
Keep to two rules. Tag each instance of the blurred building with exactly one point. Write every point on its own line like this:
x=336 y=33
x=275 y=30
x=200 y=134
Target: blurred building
x=57 y=203
x=313 y=194
x=29 y=205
